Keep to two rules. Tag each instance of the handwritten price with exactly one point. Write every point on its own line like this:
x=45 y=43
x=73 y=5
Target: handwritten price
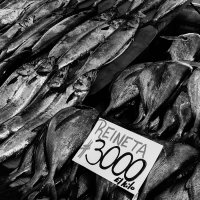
x=119 y=164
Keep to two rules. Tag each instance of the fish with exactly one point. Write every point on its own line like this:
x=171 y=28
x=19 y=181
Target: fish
x=184 y=47
x=11 y=14
x=43 y=99
x=149 y=5
x=40 y=167
x=89 y=42
x=169 y=122
x=73 y=133
x=183 y=111
x=193 y=185
x=25 y=166
x=14 y=81
x=123 y=88
x=170 y=164
x=38 y=28
x=176 y=192
x=103 y=188
x=162 y=83
x=26 y=92
x=72 y=37
x=167 y=7
x=57 y=31
x=71 y=96
x=35 y=12
x=112 y=47
x=193 y=93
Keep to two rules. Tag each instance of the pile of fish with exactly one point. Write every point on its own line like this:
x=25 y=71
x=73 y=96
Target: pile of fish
x=51 y=52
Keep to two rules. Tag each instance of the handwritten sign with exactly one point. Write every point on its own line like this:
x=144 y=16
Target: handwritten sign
x=119 y=155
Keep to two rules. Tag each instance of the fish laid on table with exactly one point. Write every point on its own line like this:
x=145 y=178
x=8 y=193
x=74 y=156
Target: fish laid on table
x=89 y=42
x=167 y=7
x=64 y=141
x=74 y=94
x=38 y=10
x=170 y=164
x=193 y=184
x=184 y=47
x=27 y=38
x=47 y=96
x=72 y=37
x=158 y=83
x=11 y=14
x=15 y=80
x=57 y=31
x=112 y=47
x=27 y=91
x=123 y=88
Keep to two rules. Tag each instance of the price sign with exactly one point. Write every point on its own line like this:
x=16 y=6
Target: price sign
x=119 y=155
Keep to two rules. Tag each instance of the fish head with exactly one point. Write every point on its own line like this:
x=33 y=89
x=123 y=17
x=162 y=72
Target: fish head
x=26 y=69
x=84 y=82
x=46 y=65
x=59 y=78
x=184 y=47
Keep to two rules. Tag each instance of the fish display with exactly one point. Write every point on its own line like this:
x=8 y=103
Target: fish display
x=52 y=57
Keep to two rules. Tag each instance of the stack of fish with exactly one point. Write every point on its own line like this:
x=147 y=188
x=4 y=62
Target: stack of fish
x=51 y=53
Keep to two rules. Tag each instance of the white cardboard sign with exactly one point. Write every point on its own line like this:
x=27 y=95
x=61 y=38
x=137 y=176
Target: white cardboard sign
x=118 y=155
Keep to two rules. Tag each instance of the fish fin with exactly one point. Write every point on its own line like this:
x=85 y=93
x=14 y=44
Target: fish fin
x=170 y=37
x=50 y=187
x=119 y=53
x=188 y=184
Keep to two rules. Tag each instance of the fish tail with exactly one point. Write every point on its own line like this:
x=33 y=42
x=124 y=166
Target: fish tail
x=140 y=116
x=108 y=109
x=51 y=189
x=144 y=123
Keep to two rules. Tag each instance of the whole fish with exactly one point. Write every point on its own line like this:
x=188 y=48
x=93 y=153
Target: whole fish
x=45 y=98
x=112 y=47
x=11 y=14
x=193 y=92
x=40 y=167
x=123 y=88
x=25 y=166
x=73 y=132
x=71 y=38
x=184 y=47
x=74 y=94
x=34 y=31
x=193 y=185
x=170 y=163
x=167 y=7
x=163 y=82
x=182 y=109
x=148 y=5
x=58 y=30
x=89 y=42
x=103 y=188
x=37 y=10
x=176 y=192
x=14 y=81
x=26 y=92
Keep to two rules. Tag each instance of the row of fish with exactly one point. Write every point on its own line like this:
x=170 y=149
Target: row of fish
x=42 y=119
